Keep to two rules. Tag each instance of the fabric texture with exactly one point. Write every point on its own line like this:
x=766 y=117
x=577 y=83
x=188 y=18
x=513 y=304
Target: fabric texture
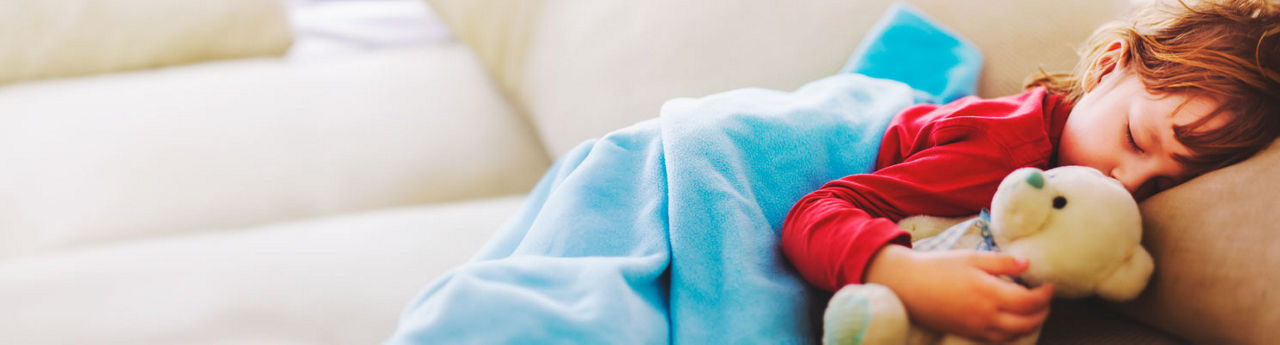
x=330 y=280
x=233 y=144
x=63 y=38
x=1096 y=322
x=947 y=238
x=939 y=160
x=566 y=62
x=883 y=58
x=1214 y=240
x=668 y=230
x=328 y=28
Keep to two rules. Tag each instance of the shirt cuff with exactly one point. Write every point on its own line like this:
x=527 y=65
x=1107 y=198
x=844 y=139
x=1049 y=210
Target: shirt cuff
x=869 y=242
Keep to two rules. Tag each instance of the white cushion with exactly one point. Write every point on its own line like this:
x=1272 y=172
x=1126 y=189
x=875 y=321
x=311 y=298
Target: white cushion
x=60 y=38
x=581 y=68
x=247 y=142
x=327 y=28
x=330 y=281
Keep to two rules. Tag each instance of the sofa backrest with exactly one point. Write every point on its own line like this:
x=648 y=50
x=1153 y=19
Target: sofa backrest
x=580 y=68
x=65 y=38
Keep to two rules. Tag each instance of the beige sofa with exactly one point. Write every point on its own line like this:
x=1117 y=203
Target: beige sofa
x=240 y=197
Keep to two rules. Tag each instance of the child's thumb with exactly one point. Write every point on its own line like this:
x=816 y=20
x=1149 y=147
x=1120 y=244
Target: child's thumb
x=1000 y=264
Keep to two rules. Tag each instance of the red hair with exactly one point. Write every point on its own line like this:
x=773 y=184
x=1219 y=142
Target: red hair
x=1228 y=51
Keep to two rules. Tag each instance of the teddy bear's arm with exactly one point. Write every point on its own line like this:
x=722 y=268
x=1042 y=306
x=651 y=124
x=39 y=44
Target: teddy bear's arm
x=1129 y=279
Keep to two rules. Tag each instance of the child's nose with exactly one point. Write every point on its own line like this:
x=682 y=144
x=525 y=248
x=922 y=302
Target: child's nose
x=1131 y=181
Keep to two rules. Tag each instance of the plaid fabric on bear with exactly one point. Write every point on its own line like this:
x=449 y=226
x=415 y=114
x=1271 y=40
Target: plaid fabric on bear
x=947 y=238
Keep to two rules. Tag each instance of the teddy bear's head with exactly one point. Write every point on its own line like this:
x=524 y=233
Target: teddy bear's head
x=1080 y=229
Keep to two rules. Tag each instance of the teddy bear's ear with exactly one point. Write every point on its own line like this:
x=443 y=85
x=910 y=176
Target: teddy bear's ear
x=1129 y=278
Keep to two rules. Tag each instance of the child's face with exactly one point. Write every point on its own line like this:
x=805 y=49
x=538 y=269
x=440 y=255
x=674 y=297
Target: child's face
x=1097 y=133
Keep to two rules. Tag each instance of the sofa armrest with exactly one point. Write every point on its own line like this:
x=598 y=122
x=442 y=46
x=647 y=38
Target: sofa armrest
x=246 y=142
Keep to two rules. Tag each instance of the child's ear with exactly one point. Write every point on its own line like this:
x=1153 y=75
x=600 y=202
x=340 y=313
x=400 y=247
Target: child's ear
x=1114 y=57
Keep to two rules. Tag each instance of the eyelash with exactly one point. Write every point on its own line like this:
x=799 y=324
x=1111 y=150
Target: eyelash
x=1128 y=131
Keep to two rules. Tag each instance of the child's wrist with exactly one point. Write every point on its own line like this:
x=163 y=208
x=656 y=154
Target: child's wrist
x=887 y=264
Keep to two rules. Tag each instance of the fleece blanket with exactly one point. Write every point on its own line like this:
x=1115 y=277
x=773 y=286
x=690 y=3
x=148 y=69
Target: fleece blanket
x=667 y=231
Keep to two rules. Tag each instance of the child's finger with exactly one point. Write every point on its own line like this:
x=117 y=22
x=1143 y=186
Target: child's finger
x=1010 y=296
x=998 y=264
x=1017 y=299
x=1017 y=325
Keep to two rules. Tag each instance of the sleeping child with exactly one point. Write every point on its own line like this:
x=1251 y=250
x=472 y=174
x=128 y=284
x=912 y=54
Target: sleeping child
x=1178 y=90
x=686 y=228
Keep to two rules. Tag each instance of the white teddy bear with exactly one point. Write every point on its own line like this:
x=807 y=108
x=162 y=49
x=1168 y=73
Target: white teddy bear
x=1080 y=230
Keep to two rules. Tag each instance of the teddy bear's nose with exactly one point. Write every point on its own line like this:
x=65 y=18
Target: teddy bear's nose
x=1036 y=179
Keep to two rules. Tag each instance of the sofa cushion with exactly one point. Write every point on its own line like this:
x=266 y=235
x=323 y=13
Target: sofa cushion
x=581 y=68
x=237 y=143
x=61 y=38
x=1092 y=321
x=1217 y=254
x=341 y=280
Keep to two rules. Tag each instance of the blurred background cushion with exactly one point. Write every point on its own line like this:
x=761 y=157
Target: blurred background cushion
x=62 y=38
x=252 y=141
x=1217 y=253
x=580 y=68
x=327 y=28
x=338 y=280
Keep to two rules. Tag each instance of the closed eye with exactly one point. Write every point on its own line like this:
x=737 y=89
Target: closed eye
x=1128 y=131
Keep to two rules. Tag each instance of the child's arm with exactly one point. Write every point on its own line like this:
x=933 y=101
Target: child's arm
x=934 y=160
x=959 y=292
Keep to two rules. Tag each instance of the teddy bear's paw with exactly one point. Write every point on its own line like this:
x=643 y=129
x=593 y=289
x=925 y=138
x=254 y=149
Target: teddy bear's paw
x=864 y=314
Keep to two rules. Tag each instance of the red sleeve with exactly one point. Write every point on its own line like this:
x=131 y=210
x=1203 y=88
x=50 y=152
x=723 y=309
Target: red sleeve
x=934 y=160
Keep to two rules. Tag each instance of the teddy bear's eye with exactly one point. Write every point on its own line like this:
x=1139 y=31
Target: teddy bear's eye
x=1059 y=202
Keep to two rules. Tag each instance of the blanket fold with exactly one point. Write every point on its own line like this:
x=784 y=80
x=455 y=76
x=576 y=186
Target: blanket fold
x=667 y=230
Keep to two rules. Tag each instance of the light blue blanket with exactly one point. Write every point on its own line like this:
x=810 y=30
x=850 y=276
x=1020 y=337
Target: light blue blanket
x=667 y=231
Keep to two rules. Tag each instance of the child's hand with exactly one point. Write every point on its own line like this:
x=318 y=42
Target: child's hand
x=959 y=292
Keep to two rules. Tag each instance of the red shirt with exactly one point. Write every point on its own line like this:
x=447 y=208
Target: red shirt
x=934 y=160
